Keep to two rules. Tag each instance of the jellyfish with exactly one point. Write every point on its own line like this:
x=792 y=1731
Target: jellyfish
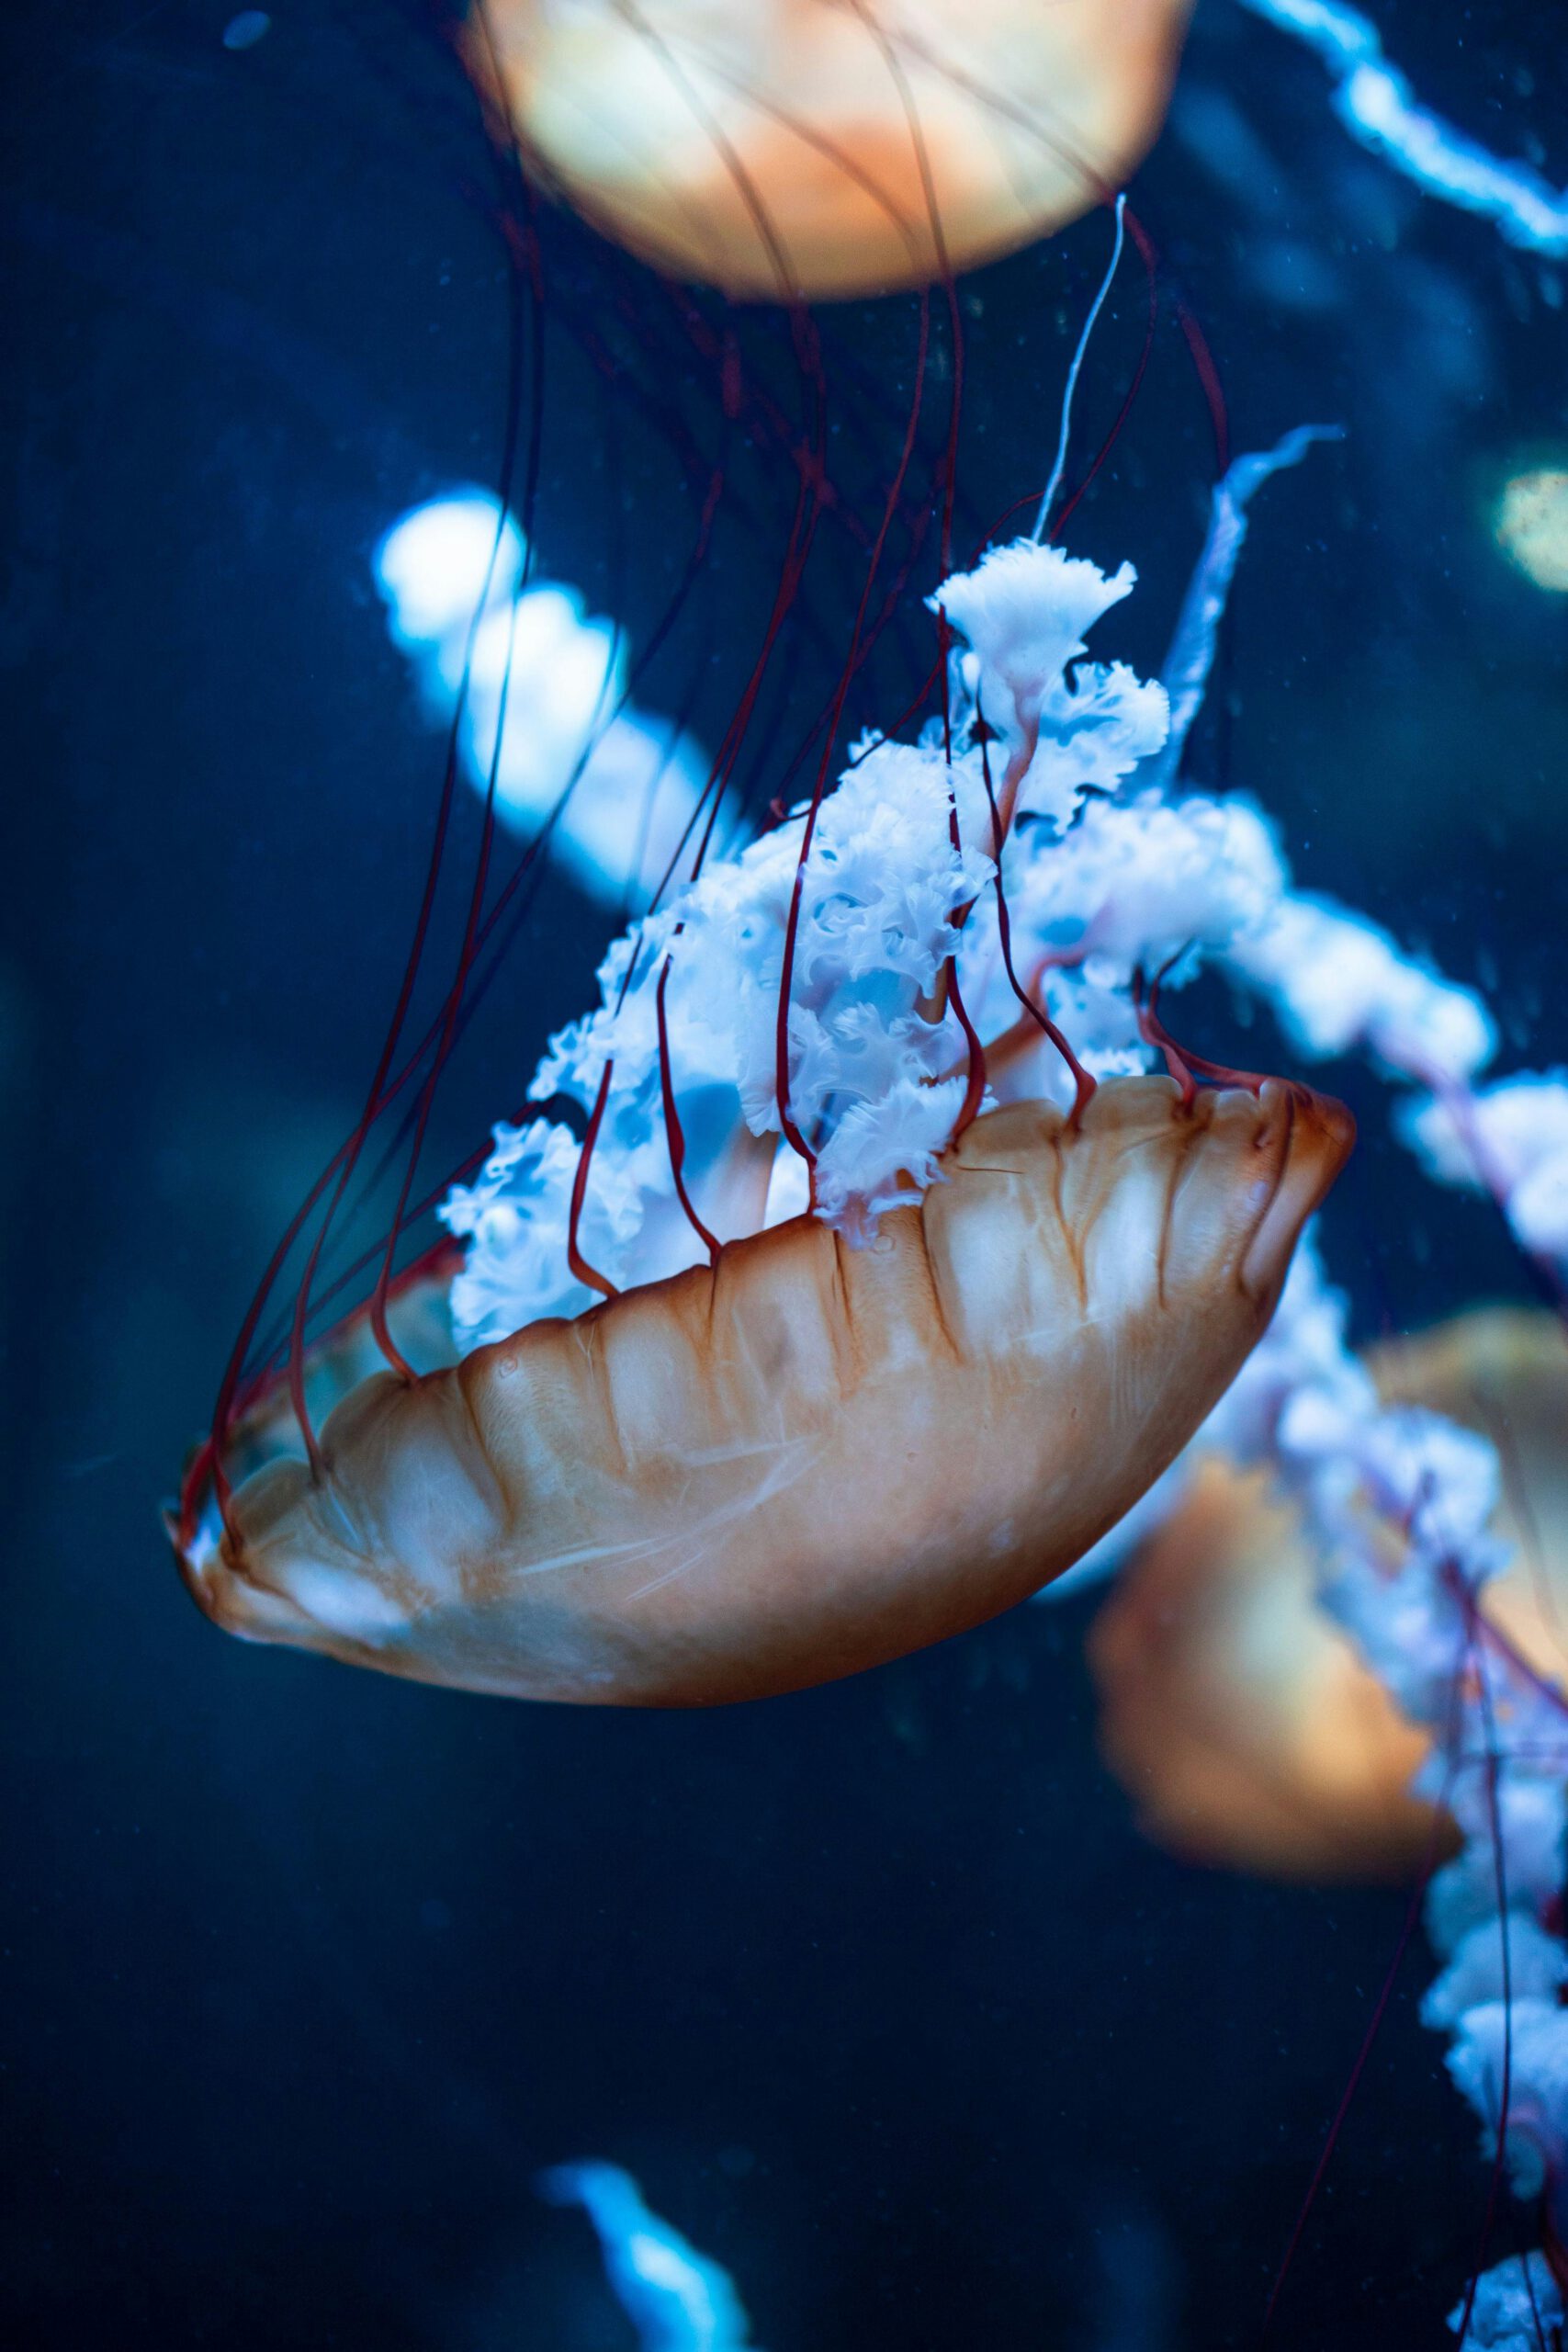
x=1399 y=1507
x=1359 y=1572
x=827 y=148
x=1238 y=1715
x=866 y=1302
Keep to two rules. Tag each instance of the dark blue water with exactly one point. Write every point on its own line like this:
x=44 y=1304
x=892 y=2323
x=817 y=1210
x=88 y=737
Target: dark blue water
x=875 y=1989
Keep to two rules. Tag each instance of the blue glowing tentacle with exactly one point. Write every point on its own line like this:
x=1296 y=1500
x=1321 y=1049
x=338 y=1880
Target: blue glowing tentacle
x=1376 y=105
x=1185 y=675
x=1048 y=496
x=678 y=2299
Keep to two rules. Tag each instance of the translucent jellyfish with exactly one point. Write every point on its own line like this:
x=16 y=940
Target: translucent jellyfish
x=1239 y=1714
x=812 y=148
x=898 y=1309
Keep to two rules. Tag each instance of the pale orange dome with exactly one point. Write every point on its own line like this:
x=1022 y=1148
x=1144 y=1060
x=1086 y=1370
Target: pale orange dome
x=825 y=148
x=1239 y=1716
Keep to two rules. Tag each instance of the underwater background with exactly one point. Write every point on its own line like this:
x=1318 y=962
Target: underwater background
x=875 y=1989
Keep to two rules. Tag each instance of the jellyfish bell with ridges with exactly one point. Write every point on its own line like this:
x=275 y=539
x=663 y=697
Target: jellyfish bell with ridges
x=859 y=1308
x=1238 y=1716
x=806 y=1459
x=822 y=149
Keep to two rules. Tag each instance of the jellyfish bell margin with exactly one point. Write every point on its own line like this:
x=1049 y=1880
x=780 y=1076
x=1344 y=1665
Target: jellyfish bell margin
x=806 y=150
x=805 y=1459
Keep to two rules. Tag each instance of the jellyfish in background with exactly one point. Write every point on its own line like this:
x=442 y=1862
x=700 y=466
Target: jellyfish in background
x=1234 y=1710
x=900 y=1310
x=825 y=148
x=1395 y=1507
x=678 y=2299
x=1390 y=1509
x=546 y=733
x=1530 y=526
x=1238 y=1719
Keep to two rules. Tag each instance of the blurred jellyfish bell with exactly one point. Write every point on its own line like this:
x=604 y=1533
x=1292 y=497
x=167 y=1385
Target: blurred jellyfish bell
x=799 y=1436
x=827 y=148
x=1504 y=1371
x=1237 y=1714
x=1530 y=526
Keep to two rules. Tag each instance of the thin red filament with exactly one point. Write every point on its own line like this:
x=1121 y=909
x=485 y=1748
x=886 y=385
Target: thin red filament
x=674 y=1134
x=1084 y=1086
x=792 y=930
x=574 y=1257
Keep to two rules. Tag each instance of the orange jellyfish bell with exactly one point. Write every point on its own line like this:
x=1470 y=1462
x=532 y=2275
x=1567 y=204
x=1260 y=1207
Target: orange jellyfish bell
x=1236 y=1714
x=803 y=1459
x=1239 y=1716
x=787 y=1446
x=814 y=148
x=1504 y=1371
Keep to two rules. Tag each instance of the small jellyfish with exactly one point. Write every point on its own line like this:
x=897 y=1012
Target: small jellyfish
x=1237 y=1714
x=816 y=149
